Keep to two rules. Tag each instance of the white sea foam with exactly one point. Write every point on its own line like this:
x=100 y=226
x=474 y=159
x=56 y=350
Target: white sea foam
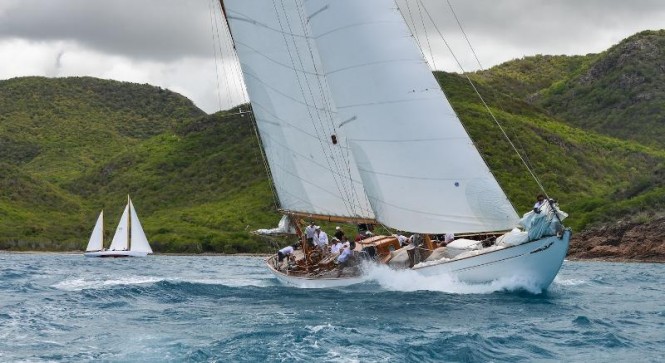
x=317 y=328
x=234 y=281
x=568 y=282
x=78 y=284
x=408 y=280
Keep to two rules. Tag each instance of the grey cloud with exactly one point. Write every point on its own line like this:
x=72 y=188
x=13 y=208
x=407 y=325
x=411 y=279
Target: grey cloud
x=537 y=26
x=147 y=29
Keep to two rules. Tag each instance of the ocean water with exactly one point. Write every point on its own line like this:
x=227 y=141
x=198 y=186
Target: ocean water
x=58 y=307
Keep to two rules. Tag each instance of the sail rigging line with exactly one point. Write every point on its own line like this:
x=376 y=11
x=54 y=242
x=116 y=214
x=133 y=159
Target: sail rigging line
x=305 y=157
x=328 y=110
x=266 y=164
x=236 y=62
x=321 y=124
x=214 y=49
x=231 y=69
x=475 y=55
x=289 y=67
x=414 y=31
x=459 y=24
x=218 y=54
x=285 y=95
x=429 y=45
x=323 y=85
x=482 y=99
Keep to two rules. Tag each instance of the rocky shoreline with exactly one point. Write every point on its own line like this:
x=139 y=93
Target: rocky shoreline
x=621 y=242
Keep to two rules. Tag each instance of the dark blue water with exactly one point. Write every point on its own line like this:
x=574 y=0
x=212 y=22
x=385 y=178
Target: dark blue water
x=171 y=308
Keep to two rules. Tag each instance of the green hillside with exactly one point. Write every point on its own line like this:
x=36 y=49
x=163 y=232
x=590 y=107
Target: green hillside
x=596 y=178
x=73 y=146
x=525 y=78
x=57 y=128
x=70 y=147
x=619 y=92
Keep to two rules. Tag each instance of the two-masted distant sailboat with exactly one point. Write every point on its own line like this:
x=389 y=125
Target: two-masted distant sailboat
x=356 y=129
x=129 y=239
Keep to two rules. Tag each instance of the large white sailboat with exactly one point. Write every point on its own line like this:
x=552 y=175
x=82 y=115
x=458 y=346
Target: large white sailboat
x=129 y=239
x=356 y=129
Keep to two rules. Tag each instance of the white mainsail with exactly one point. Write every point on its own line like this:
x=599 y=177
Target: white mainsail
x=96 y=242
x=352 y=69
x=120 y=240
x=139 y=242
x=293 y=110
x=419 y=168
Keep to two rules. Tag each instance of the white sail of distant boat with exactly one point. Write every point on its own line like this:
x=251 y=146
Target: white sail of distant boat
x=356 y=129
x=129 y=239
x=138 y=237
x=96 y=242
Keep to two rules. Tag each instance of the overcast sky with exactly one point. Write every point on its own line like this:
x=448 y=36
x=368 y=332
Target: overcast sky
x=172 y=43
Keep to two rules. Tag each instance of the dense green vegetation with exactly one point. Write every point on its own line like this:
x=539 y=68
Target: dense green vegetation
x=596 y=178
x=73 y=146
x=619 y=92
x=70 y=147
x=526 y=77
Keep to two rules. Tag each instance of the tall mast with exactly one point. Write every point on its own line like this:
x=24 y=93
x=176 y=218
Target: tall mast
x=129 y=223
x=221 y=2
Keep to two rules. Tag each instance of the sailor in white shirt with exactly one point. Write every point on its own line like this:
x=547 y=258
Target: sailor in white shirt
x=337 y=246
x=345 y=255
x=322 y=237
x=284 y=252
x=309 y=232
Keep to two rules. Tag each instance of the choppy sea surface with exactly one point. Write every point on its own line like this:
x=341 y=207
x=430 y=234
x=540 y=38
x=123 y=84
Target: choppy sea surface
x=58 y=307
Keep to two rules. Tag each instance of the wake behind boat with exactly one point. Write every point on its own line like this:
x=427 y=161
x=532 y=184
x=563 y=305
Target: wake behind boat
x=129 y=239
x=356 y=129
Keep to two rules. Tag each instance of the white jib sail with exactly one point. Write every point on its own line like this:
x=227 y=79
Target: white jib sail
x=294 y=111
x=96 y=242
x=419 y=168
x=139 y=240
x=120 y=238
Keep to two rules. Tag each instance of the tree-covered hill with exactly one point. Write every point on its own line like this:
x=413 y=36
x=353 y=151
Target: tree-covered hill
x=72 y=146
x=525 y=78
x=619 y=92
x=596 y=178
x=57 y=127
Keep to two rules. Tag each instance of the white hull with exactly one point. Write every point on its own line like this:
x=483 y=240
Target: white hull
x=312 y=282
x=115 y=254
x=534 y=263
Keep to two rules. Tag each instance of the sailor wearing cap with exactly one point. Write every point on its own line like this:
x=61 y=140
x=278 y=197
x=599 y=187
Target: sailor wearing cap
x=321 y=237
x=339 y=233
x=309 y=233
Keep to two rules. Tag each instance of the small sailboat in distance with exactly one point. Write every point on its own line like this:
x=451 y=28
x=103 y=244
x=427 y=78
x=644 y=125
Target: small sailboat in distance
x=129 y=239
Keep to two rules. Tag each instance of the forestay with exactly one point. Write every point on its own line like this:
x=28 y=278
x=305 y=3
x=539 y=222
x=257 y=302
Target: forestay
x=352 y=69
